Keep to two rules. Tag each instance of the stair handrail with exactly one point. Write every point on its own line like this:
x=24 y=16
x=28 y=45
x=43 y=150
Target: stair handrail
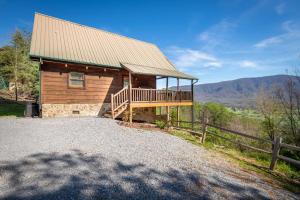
x=118 y=100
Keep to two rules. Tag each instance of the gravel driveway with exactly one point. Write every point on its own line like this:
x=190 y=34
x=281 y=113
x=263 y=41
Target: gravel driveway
x=95 y=158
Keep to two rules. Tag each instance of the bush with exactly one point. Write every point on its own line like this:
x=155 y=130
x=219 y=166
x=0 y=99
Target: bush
x=160 y=124
x=173 y=116
x=218 y=114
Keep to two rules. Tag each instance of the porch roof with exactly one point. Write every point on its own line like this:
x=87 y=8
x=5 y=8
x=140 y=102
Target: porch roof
x=155 y=71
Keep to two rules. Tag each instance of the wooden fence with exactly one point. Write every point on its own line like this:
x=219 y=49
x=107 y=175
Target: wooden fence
x=277 y=143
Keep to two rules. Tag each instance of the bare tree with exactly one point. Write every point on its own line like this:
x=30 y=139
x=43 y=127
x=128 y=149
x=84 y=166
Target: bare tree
x=269 y=108
x=289 y=100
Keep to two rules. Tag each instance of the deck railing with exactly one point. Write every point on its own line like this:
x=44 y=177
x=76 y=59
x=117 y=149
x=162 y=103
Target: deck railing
x=154 y=95
x=120 y=100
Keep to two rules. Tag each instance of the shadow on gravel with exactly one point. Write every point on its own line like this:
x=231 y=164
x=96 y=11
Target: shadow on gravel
x=76 y=175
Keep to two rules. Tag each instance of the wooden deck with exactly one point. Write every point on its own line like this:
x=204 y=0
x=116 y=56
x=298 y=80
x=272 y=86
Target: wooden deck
x=142 y=98
x=130 y=97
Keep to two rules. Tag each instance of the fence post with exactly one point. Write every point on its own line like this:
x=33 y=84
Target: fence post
x=275 y=152
x=204 y=122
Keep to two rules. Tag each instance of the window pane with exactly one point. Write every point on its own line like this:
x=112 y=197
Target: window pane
x=76 y=75
x=125 y=81
x=76 y=79
x=78 y=83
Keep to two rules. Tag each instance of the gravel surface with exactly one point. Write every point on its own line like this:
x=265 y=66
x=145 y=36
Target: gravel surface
x=95 y=158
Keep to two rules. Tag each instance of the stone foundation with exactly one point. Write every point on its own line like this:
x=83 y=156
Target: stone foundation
x=74 y=110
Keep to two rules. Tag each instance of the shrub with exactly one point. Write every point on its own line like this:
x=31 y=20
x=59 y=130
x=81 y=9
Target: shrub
x=173 y=116
x=160 y=124
x=218 y=113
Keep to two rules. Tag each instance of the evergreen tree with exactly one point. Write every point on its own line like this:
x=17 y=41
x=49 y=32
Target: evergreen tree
x=16 y=67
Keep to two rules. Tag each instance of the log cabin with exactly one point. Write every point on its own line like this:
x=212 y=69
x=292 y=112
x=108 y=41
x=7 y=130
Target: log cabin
x=86 y=71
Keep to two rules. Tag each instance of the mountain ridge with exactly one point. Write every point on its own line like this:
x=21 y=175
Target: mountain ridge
x=240 y=92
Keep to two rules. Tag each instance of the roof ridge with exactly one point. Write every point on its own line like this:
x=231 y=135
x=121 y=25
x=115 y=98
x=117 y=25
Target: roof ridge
x=116 y=34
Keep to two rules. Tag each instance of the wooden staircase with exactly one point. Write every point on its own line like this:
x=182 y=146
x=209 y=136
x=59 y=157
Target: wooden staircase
x=119 y=103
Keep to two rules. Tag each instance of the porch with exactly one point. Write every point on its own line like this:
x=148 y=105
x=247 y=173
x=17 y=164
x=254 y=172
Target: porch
x=136 y=97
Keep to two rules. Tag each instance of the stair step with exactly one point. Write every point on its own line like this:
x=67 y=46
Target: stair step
x=106 y=115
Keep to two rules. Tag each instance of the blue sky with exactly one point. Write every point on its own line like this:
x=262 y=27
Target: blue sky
x=213 y=40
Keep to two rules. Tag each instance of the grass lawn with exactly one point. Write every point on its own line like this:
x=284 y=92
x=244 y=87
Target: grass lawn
x=287 y=175
x=12 y=110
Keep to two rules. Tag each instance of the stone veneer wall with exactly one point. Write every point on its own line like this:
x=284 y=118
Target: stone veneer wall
x=67 y=110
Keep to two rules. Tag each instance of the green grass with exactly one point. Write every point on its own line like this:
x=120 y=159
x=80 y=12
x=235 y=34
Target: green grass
x=12 y=110
x=285 y=174
x=185 y=135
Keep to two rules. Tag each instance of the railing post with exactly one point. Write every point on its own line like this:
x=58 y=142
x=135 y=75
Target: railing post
x=129 y=88
x=167 y=89
x=130 y=97
x=275 y=152
x=112 y=106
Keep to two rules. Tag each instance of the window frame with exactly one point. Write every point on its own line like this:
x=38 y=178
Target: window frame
x=76 y=86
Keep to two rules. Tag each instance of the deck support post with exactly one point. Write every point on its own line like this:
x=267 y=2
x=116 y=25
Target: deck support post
x=192 y=113
x=168 y=116
x=167 y=98
x=112 y=106
x=129 y=97
x=177 y=109
x=130 y=114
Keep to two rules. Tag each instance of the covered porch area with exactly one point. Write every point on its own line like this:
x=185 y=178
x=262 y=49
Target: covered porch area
x=133 y=96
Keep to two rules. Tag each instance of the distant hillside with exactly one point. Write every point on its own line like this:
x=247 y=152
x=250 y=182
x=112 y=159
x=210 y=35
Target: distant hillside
x=238 y=93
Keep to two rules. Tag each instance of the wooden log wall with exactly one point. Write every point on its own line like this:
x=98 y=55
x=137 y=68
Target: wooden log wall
x=99 y=83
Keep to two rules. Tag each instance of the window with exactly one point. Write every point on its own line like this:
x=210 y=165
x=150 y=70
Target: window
x=125 y=81
x=76 y=79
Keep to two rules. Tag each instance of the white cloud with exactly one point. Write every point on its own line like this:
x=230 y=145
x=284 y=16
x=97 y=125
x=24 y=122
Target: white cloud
x=213 y=64
x=288 y=26
x=280 y=8
x=269 y=41
x=216 y=35
x=248 y=64
x=184 y=57
x=291 y=29
x=215 y=30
